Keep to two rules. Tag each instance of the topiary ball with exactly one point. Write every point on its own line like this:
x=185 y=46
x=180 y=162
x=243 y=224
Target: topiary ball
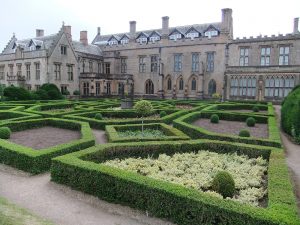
x=5 y=132
x=255 y=108
x=244 y=133
x=223 y=184
x=98 y=116
x=162 y=114
x=250 y=122
x=214 y=118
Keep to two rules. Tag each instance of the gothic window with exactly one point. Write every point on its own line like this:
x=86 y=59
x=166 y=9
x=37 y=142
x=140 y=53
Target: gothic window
x=181 y=84
x=193 y=84
x=284 y=52
x=169 y=84
x=97 y=88
x=210 y=62
x=195 y=62
x=57 y=71
x=149 y=87
x=142 y=64
x=123 y=65
x=154 y=63
x=278 y=86
x=37 y=71
x=234 y=86
x=28 y=71
x=70 y=72
x=212 y=87
x=86 y=88
x=244 y=56
x=177 y=62
x=265 y=56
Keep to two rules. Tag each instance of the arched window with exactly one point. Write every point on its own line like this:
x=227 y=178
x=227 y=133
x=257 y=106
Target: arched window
x=194 y=84
x=181 y=84
x=212 y=87
x=169 y=84
x=149 y=87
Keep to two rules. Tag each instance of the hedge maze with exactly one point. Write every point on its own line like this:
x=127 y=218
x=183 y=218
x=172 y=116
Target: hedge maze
x=170 y=130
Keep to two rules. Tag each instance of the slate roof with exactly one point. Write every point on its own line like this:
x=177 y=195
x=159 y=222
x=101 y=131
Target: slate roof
x=48 y=43
x=201 y=28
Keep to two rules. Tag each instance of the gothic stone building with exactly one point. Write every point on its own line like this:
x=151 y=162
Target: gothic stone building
x=185 y=62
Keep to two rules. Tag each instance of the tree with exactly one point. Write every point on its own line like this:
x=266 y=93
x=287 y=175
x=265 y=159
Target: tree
x=143 y=108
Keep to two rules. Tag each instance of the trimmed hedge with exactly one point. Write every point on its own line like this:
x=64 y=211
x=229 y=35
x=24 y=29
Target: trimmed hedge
x=83 y=171
x=184 y=124
x=8 y=115
x=244 y=133
x=5 y=132
x=37 y=161
x=170 y=132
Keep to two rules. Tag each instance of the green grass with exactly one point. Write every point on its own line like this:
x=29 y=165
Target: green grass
x=11 y=214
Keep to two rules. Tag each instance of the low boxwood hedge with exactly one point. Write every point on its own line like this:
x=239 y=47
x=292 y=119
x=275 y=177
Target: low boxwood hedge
x=83 y=171
x=184 y=124
x=171 y=133
x=8 y=115
x=37 y=161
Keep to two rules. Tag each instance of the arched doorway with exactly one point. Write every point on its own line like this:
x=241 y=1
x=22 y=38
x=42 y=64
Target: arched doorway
x=212 y=87
x=149 y=87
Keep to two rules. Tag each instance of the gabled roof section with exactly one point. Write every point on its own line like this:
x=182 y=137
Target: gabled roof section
x=154 y=33
x=142 y=34
x=176 y=31
x=89 y=49
x=102 y=39
x=9 y=46
x=211 y=27
x=114 y=37
x=124 y=36
x=192 y=30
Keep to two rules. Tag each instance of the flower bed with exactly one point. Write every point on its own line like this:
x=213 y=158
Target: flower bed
x=86 y=171
x=34 y=161
x=152 y=132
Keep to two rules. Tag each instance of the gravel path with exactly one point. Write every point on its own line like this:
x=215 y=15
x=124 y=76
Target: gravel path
x=44 y=137
x=233 y=127
x=292 y=152
x=100 y=136
x=63 y=205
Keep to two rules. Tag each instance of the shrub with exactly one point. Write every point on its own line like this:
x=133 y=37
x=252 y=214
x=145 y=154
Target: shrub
x=143 y=108
x=5 y=132
x=250 y=121
x=76 y=92
x=52 y=91
x=98 y=116
x=41 y=94
x=216 y=96
x=244 y=133
x=223 y=184
x=162 y=114
x=255 y=108
x=16 y=93
x=214 y=118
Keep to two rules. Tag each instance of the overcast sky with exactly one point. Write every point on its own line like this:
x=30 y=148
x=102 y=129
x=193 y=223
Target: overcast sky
x=250 y=18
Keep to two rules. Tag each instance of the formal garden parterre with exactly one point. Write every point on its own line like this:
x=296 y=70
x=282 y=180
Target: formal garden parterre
x=164 y=162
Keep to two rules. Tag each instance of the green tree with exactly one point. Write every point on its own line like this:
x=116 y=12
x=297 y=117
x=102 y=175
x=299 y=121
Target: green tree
x=143 y=108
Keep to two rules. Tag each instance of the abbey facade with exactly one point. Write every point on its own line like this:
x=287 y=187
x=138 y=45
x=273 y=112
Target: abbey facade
x=184 y=62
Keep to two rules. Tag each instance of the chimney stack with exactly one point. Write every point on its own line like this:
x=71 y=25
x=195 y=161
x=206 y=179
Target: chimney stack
x=99 y=30
x=39 y=33
x=227 y=26
x=132 y=29
x=165 y=26
x=83 y=37
x=296 y=24
x=68 y=32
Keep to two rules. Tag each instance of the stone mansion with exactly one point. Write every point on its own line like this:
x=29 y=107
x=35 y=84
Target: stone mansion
x=183 y=62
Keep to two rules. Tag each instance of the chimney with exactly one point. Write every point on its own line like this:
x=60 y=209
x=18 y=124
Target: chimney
x=227 y=27
x=165 y=26
x=39 y=33
x=99 y=30
x=83 y=37
x=68 y=32
x=296 y=24
x=132 y=29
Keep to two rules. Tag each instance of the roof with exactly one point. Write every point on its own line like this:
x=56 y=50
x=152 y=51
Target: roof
x=48 y=43
x=201 y=28
x=87 y=49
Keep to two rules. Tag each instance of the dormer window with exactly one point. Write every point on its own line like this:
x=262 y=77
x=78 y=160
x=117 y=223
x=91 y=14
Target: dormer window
x=142 y=40
x=175 y=36
x=32 y=48
x=124 y=41
x=154 y=38
x=113 y=42
x=211 y=33
x=192 y=35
